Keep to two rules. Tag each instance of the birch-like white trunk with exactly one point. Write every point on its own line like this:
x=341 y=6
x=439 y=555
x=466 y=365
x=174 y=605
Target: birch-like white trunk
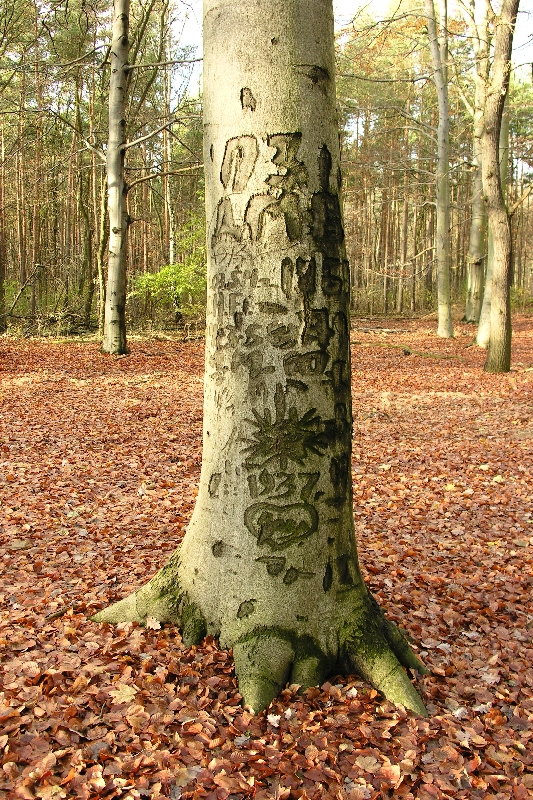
x=269 y=561
x=114 y=338
x=438 y=45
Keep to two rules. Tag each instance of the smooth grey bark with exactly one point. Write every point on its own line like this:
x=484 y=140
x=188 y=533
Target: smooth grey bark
x=476 y=257
x=114 y=334
x=103 y=238
x=499 y=350
x=476 y=244
x=477 y=19
x=483 y=332
x=438 y=45
x=269 y=561
x=483 y=328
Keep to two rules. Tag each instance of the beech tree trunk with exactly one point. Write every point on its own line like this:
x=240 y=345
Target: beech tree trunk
x=499 y=350
x=477 y=18
x=269 y=561
x=483 y=331
x=476 y=245
x=438 y=45
x=114 y=338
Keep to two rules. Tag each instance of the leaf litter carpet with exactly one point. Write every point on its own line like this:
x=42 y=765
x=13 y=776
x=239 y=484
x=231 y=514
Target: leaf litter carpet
x=99 y=460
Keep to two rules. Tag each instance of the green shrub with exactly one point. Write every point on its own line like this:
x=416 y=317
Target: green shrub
x=181 y=285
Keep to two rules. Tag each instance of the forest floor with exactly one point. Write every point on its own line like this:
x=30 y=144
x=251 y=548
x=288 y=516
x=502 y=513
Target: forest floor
x=99 y=461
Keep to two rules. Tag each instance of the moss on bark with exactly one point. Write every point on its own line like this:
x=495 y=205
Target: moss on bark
x=267 y=658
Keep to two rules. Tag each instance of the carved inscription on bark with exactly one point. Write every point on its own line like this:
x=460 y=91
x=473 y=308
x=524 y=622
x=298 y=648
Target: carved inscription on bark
x=281 y=526
x=279 y=314
x=238 y=163
x=286 y=437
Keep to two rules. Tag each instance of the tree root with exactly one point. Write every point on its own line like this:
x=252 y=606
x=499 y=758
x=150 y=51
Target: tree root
x=372 y=646
x=266 y=659
x=160 y=598
x=262 y=665
x=377 y=649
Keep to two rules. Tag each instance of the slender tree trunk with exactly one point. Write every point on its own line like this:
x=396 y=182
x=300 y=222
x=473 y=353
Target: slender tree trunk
x=3 y=247
x=21 y=192
x=385 y=210
x=114 y=339
x=269 y=561
x=393 y=241
x=499 y=349
x=477 y=307
x=405 y=219
x=439 y=56
x=403 y=253
x=68 y=222
x=476 y=245
x=36 y=210
x=87 y=281
x=167 y=156
x=429 y=282
x=103 y=237
x=483 y=332
x=146 y=207
x=415 y=251
x=519 y=255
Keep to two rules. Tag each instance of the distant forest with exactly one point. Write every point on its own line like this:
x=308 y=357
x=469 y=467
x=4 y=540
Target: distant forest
x=54 y=228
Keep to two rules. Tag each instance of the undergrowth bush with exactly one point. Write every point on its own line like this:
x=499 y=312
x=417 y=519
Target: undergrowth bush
x=178 y=289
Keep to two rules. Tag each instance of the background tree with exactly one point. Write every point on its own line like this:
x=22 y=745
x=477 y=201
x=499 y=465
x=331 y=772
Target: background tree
x=54 y=82
x=438 y=45
x=67 y=46
x=483 y=330
x=390 y=120
x=269 y=561
x=114 y=340
x=499 y=350
x=478 y=26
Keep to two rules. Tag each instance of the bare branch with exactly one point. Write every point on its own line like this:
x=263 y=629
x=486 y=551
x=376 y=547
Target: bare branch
x=150 y=135
x=56 y=115
x=383 y=80
x=153 y=175
x=131 y=67
x=466 y=102
x=520 y=200
x=28 y=280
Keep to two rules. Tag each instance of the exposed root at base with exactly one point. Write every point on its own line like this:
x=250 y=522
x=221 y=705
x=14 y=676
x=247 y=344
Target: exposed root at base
x=268 y=658
x=266 y=661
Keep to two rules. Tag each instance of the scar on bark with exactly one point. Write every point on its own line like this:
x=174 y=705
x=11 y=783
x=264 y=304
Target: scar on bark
x=319 y=76
x=238 y=163
x=214 y=483
x=247 y=99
